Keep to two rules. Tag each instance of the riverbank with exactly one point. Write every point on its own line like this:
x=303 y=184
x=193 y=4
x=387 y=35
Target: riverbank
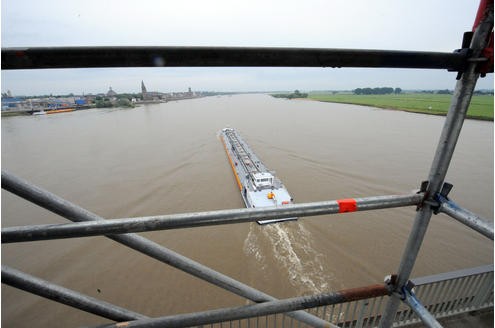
x=481 y=107
x=9 y=113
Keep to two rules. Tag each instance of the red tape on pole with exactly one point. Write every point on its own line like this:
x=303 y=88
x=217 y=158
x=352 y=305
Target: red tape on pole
x=347 y=205
x=488 y=51
x=481 y=12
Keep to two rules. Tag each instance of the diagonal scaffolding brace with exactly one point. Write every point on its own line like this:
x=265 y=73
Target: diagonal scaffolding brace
x=418 y=308
x=466 y=217
x=43 y=288
x=75 y=213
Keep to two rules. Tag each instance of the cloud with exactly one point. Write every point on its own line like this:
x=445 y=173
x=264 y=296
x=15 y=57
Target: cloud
x=420 y=25
x=382 y=24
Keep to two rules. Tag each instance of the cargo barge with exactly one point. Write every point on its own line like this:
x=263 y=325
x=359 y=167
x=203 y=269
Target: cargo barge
x=259 y=187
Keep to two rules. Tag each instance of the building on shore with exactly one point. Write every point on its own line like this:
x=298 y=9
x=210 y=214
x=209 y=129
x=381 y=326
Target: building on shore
x=151 y=95
x=144 y=92
x=9 y=103
x=111 y=93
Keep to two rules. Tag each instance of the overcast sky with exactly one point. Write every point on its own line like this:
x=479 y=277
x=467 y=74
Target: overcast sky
x=423 y=25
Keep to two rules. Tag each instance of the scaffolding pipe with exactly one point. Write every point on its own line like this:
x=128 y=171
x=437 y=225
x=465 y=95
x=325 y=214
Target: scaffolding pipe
x=443 y=155
x=86 y=57
x=66 y=209
x=420 y=310
x=467 y=217
x=43 y=288
x=197 y=219
x=256 y=310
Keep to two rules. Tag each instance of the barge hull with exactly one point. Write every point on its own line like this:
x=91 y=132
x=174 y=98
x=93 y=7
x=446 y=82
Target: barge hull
x=258 y=186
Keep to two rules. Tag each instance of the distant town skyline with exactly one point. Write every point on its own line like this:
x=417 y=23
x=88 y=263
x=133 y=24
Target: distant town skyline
x=79 y=82
x=420 y=25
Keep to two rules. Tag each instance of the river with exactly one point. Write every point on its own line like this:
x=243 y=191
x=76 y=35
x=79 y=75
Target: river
x=166 y=158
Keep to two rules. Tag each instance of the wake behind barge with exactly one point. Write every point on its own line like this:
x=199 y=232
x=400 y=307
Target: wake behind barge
x=259 y=187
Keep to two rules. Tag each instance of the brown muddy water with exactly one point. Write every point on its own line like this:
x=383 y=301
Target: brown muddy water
x=166 y=158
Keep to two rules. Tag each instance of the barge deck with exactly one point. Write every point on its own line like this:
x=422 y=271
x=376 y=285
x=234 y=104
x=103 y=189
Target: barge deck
x=259 y=186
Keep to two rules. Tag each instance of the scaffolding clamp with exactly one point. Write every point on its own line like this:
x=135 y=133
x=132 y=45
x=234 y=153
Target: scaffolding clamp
x=407 y=289
x=465 y=51
x=484 y=59
x=422 y=189
x=390 y=283
x=440 y=197
x=400 y=291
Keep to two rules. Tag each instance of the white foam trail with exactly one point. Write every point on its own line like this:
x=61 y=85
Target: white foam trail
x=251 y=246
x=291 y=246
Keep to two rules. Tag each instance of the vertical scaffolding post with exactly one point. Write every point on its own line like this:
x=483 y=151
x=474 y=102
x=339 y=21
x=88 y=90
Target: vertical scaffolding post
x=443 y=155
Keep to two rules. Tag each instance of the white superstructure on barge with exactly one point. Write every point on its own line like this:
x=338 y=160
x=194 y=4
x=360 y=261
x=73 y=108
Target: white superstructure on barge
x=259 y=187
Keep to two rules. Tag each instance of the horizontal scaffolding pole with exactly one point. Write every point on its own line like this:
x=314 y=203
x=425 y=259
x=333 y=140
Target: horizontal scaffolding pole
x=70 y=211
x=197 y=219
x=467 y=218
x=87 y=57
x=43 y=288
x=255 y=310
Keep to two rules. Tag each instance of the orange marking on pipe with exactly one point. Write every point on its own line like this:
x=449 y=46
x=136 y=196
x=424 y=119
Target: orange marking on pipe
x=232 y=164
x=347 y=205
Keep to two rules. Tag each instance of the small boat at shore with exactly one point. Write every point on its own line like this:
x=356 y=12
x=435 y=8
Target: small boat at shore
x=41 y=112
x=61 y=110
x=259 y=187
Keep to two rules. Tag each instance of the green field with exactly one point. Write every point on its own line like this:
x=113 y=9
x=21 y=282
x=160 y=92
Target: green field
x=481 y=106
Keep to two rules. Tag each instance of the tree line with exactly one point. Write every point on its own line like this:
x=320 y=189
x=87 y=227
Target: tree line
x=377 y=91
x=123 y=100
x=295 y=94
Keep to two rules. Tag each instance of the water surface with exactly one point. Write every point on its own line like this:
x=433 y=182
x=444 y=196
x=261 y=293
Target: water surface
x=166 y=158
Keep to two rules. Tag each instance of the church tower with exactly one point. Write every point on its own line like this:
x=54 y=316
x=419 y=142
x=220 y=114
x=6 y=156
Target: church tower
x=143 y=91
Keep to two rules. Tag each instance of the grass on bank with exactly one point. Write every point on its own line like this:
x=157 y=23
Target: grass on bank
x=481 y=106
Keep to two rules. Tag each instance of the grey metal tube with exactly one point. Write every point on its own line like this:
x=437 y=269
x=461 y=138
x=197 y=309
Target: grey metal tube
x=468 y=218
x=261 y=309
x=43 y=288
x=418 y=308
x=408 y=259
x=75 y=213
x=84 y=57
x=443 y=155
x=175 y=221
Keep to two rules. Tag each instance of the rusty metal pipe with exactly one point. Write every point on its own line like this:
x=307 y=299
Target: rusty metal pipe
x=261 y=309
